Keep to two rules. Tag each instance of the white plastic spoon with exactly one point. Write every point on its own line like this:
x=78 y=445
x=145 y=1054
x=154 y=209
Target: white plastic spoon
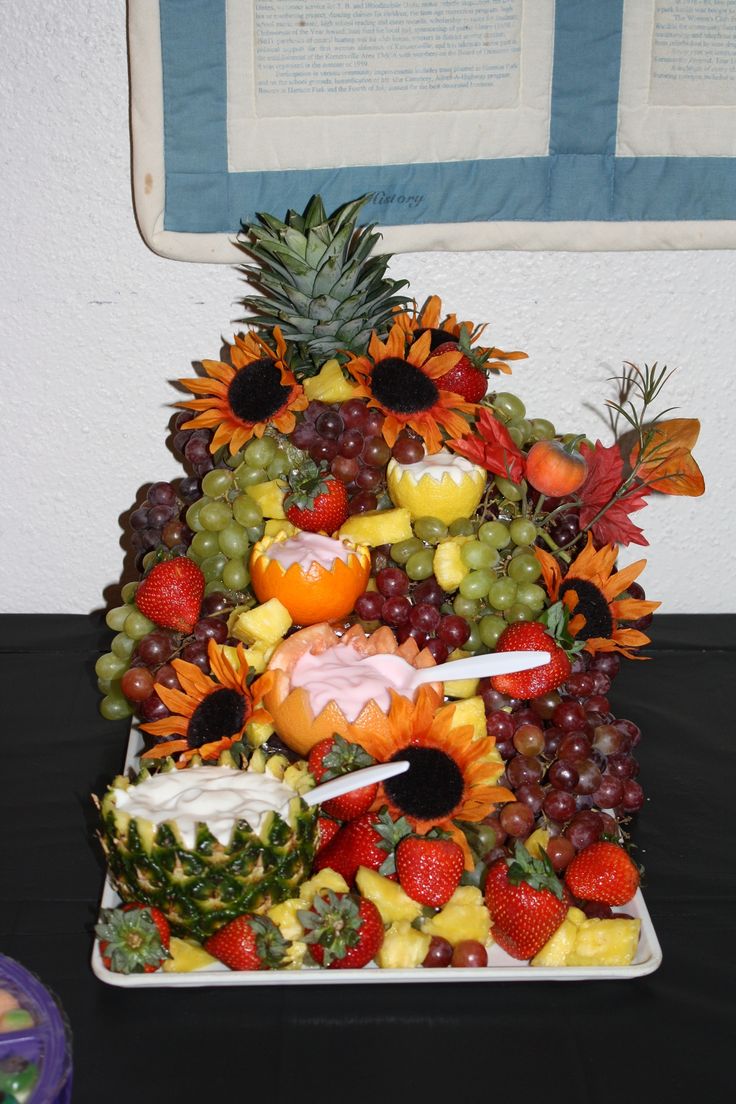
x=482 y=666
x=353 y=781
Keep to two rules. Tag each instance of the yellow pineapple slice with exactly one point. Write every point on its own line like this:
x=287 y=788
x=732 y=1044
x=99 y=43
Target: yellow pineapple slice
x=322 y=880
x=329 y=385
x=377 y=527
x=537 y=842
x=605 y=943
x=471 y=711
x=186 y=955
x=393 y=903
x=465 y=916
x=270 y=497
x=267 y=623
x=257 y=732
x=448 y=566
x=403 y=947
x=284 y=916
x=460 y=688
x=562 y=943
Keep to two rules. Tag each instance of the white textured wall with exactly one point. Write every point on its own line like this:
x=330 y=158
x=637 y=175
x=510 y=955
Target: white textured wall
x=94 y=326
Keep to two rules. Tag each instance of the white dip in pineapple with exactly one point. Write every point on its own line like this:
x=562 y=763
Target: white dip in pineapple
x=215 y=796
x=343 y=675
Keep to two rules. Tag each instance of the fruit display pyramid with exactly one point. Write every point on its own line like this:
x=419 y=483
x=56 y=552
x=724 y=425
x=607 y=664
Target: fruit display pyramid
x=363 y=499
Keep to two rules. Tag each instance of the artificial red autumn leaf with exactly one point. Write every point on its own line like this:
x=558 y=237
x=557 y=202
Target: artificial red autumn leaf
x=605 y=478
x=667 y=464
x=494 y=449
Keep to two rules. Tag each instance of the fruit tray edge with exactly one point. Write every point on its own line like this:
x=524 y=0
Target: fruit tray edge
x=501 y=967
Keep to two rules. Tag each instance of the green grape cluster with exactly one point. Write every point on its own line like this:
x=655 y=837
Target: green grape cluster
x=227 y=520
x=130 y=626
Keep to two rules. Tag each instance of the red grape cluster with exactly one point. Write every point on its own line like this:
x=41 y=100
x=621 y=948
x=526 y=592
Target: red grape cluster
x=413 y=609
x=568 y=760
x=151 y=660
x=347 y=437
x=193 y=445
x=159 y=520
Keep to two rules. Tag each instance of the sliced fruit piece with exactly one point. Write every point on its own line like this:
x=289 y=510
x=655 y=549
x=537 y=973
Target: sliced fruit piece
x=388 y=896
x=463 y=917
x=605 y=942
x=471 y=711
x=186 y=955
x=267 y=623
x=376 y=527
x=329 y=385
x=403 y=947
x=270 y=497
x=537 y=842
x=274 y=527
x=448 y=566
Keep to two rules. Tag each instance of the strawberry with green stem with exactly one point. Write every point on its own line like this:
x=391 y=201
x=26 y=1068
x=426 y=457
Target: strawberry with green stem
x=549 y=634
x=369 y=840
x=603 y=872
x=343 y=931
x=249 y=942
x=134 y=938
x=526 y=902
x=334 y=757
x=429 y=868
x=171 y=594
x=317 y=502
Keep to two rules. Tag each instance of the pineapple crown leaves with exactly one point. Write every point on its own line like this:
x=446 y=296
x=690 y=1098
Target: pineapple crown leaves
x=555 y=619
x=334 y=921
x=318 y=280
x=307 y=483
x=344 y=757
x=132 y=938
x=538 y=873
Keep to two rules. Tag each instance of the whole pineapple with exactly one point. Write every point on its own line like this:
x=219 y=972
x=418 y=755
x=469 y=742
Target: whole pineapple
x=200 y=888
x=318 y=282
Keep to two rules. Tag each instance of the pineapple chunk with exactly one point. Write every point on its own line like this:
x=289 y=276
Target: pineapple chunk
x=537 y=842
x=258 y=655
x=558 y=946
x=377 y=527
x=257 y=732
x=329 y=385
x=274 y=528
x=403 y=947
x=448 y=567
x=284 y=916
x=605 y=943
x=186 y=955
x=264 y=624
x=461 y=688
x=393 y=903
x=465 y=916
x=323 y=879
x=270 y=497
x=471 y=711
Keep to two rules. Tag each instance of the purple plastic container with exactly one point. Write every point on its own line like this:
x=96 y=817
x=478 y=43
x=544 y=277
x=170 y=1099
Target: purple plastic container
x=46 y=1045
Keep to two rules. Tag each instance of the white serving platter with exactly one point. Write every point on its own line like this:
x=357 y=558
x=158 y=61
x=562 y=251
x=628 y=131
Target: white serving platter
x=501 y=967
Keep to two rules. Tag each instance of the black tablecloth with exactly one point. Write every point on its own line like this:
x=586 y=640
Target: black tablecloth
x=667 y=1035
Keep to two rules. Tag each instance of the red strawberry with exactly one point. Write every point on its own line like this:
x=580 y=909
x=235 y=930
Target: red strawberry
x=334 y=757
x=249 y=942
x=327 y=829
x=603 y=872
x=429 y=869
x=526 y=902
x=369 y=840
x=464 y=379
x=343 y=931
x=318 y=502
x=531 y=636
x=171 y=594
x=134 y=939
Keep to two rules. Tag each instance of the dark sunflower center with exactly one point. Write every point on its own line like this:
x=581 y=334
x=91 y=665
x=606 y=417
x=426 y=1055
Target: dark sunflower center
x=220 y=714
x=432 y=787
x=592 y=605
x=439 y=337
x=256 y=392
x=402 y=387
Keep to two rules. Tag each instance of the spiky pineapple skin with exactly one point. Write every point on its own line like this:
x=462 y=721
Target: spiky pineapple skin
x=202 y=888
x=318 y=280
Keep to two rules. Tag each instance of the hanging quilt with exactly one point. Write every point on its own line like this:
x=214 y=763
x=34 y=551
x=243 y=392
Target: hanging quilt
x=472 y=124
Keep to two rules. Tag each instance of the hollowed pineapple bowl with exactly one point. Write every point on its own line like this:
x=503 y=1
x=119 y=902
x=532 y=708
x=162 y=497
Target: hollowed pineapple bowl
x=206 y=844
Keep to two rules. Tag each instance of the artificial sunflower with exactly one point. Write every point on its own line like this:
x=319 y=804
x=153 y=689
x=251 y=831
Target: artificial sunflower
x=452 y=776
x=406 y=385
x=416 y=322
x=590 y=594
x=208 y=714
x=241 y=398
